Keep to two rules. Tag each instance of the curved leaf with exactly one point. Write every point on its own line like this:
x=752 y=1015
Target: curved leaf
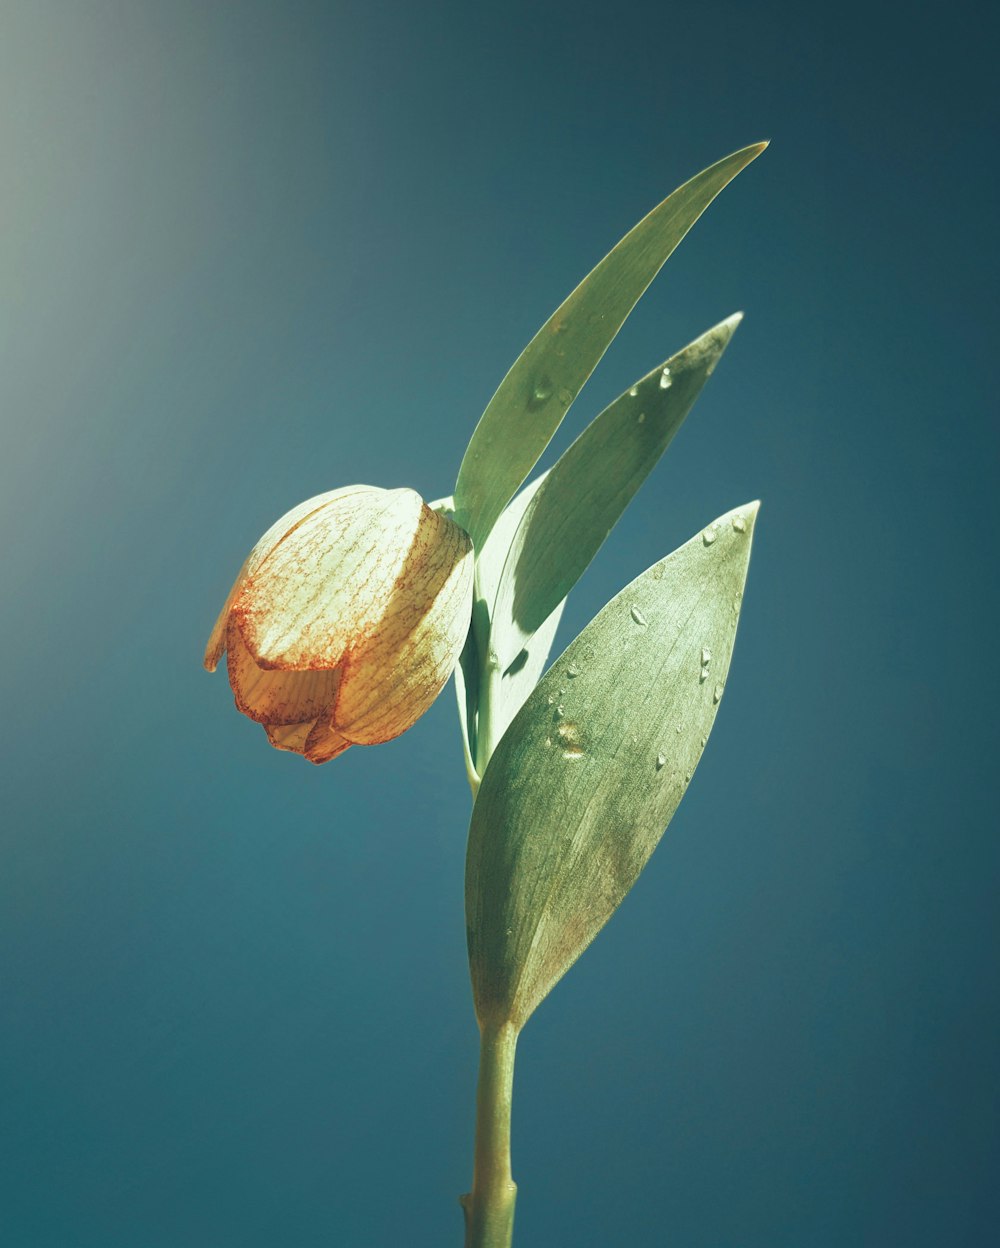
x=584 y=494
x=550 y=372
x=490 y=562
x=581 y=786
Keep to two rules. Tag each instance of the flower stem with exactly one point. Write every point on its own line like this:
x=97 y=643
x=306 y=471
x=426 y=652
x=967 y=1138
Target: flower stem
x=489 y=688
x=489 y=1207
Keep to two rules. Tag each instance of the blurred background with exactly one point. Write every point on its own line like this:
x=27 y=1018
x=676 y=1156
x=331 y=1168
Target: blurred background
x=250 y=252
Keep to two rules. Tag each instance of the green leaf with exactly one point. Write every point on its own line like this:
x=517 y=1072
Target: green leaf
x=583 y=496
x=490 y=562
x=521 y=675
x=550 y=372
x=590 y=772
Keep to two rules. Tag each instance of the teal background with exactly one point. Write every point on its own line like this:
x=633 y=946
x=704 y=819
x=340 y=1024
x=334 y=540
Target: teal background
x=253 y=251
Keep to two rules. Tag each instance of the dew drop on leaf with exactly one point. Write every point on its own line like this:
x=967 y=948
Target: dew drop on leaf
x=739 y=524
x=569 y=735
x=542 y=391
x=709 y=536
x=638 y=616
x=665 y=379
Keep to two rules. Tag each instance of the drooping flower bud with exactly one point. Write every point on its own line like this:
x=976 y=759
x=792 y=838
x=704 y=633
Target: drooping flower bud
x=346 y=620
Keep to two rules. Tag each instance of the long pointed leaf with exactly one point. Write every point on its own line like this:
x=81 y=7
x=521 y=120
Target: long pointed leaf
x=548 y=375
x=580 y=788
x=584 y=494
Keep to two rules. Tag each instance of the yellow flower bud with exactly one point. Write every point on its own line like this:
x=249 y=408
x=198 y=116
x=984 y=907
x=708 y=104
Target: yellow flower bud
x=346 y=620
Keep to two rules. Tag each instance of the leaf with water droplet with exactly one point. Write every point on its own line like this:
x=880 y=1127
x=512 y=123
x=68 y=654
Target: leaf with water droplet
x=585 y=493
x=516 y=426
x=558 y=837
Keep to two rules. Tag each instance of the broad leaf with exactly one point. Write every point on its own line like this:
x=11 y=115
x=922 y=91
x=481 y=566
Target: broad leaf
x=590 y=772
x=548 y=375
x=585 y=493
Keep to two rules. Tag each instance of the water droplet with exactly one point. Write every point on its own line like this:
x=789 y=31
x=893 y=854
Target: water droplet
x=560 y=711
x=633 y=391
x=510 y=931
x=550 y=699
x=704 y=742
x=548 y=742
x=687 y=778
x=717 y=695
x=638 y=616
x=709 y=536
x=739 y=524
x=565 y=397
x=542 y=392
x=665 y=379
x=642 y=418
x=703 y=676
x=706 y=656
x=679 y=729
x=569 y=735
x=661 y=761
x=572 y=670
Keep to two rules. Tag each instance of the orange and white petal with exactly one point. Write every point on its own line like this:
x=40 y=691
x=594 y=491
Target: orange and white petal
x=324 y=743
x=289 y=736
x=276 y=533
x=277 y=697
x=331 y=580
x=393 y=673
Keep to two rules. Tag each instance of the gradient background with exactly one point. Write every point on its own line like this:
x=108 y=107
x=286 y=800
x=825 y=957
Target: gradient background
x=249 y=252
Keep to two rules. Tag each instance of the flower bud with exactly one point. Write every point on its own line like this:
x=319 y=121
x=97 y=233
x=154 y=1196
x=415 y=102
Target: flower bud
x=346 y=620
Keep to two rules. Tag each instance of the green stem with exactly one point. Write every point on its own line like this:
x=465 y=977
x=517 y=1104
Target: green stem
x=489 y=1207
x=489 y=688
